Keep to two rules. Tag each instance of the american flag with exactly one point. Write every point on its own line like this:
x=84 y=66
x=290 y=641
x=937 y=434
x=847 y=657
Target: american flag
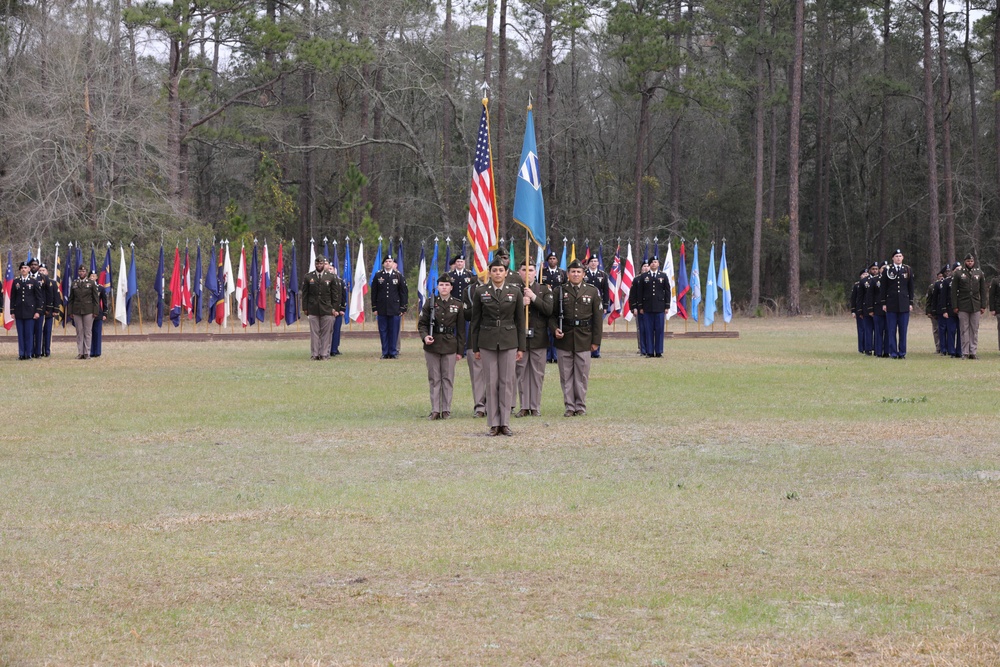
x=626 y=285
x=483 y=221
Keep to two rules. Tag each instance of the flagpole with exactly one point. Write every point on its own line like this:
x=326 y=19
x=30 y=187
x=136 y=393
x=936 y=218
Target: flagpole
x=527 y=247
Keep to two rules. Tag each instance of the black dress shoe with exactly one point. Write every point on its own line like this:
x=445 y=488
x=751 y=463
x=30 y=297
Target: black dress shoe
x=494 y=430
x=434 y=415
x=523 y=413
x=505 y=430
x=478 y=414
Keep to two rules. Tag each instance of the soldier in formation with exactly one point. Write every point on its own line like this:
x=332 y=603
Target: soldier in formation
x=538 y=299
x=969 y=302
x=321 y=299
x=442 y=330
x=576 y=324
x=27 y=306
x=498 y=340
x=83 y=307
x=594 y=276
x=389 y=302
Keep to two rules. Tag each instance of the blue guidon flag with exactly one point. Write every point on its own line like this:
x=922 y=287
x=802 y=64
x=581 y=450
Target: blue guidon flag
x=529 y=208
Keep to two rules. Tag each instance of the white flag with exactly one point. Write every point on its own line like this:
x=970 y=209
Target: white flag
x=227 y=275
x=422 y=280
x=121 y=292
x=668 y=268
x=242 y=290
x=312 y=254
x=360 y=287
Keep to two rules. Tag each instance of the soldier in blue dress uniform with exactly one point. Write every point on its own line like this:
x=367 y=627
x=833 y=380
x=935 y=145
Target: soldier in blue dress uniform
x=654 y=299
x=897 y=292
x=389 y=302
x=552 y=276
x=27 y=304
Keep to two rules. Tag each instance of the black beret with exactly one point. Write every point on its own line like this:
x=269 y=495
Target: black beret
x=457 y=257
x=551 y=255
x=33 y=260
x=897 y=252
x=388 y=258
x=21 y=265
x=945 y=269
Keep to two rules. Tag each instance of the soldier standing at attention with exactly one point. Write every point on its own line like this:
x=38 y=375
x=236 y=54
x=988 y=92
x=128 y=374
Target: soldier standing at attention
x=97 y=334
x=654 y=301
x=318 y=295
x=84 y=305
x=53 y=301
x=577 y=323
x=881 y=327
x=531 y=368
x=552 y=276
x=39 y=324
x=969 y=301
x=951 y=344
x=498 y=340
x=867 y=287
x=594 y=276
x=897 y=292
x=27 y=305
x=442 y=328
x=338 y=315
x=389 y=302
x=995 y=303
x=635 y=305
x=464 y=282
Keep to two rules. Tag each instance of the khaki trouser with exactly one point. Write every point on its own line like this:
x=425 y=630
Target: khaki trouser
x=478 y=382
x=498 y=374
x=320 y=335
x=530 y=375
x=84 y=331
x=574 y=370
x=934 y=330
x=441 y=378
x=968 y=325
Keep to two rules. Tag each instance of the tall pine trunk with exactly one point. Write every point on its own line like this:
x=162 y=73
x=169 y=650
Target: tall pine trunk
x=934 y=226
x=977 y=185
x=944 y=93
x=758 y=185
x=794 y=125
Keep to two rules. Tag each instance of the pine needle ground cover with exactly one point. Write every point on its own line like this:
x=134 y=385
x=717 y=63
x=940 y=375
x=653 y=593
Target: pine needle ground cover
x=777 y=498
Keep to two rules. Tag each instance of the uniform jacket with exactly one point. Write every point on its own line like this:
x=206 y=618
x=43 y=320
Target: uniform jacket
x=866 y=296
x=942 y=298
x=448 y=325
x=538 y=316
x=84 y=298
x=855 y=308
x=931 y=299
x=53 y=299
x=635 y=298
x=897 y=288
x=321 y=294
x=654 y=292
x=26 y=298
x=968 y=289
x=599 y=279
x=389 y=293
x=552 y=277
x=580 y=314
x=461 y=282
x=497 y=318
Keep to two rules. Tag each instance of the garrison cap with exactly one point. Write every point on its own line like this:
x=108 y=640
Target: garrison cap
x=970 y=256
x=498 y=262
x=445 y=278
x=575 y=264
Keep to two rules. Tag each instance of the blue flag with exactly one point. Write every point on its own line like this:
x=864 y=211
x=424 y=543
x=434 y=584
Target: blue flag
x=348 y=279
x=133 y=285
x=376 y=265
x=727 y=295
x=159 y=290
x=198 y=305
x=93 y=260
x=695 y=284
x=212 y=282
x=252 y=292
x=562 y=262
x=106 y=277
x=432 y=274
x=292 y=307
x=529 y=207
x=399 y=258
x=447 y=254
x=600 y=256
x=335 y=260
x=711 y=291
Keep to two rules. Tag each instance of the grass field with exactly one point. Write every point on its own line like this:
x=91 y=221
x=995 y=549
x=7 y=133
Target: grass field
x=776 y=499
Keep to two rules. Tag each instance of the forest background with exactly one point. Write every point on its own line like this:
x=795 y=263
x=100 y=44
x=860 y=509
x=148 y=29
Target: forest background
x=814 y=137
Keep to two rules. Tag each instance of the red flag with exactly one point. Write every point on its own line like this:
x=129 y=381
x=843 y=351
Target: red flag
x=243 y=290
x=8 y=286
x=280 y=289
x=483 y=220
x=175 y=289
x=626 y=289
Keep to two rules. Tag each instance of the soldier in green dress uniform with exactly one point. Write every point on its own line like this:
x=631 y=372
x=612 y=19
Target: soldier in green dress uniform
x=442 y=329
x=576 y=323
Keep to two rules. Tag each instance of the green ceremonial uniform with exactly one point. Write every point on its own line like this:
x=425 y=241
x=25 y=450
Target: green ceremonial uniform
x=448 y=326
x=968 y=289
x=497 y=318
x=581 y=316
x=538 y=316
x=84 y=298
x=321 y=294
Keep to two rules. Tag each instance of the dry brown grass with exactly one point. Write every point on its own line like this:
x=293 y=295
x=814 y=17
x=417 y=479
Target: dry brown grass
x=757 y=504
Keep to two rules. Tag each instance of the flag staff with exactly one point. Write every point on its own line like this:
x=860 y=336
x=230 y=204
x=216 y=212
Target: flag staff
x=725 y=325
x=138 y=300
x=111 y=295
